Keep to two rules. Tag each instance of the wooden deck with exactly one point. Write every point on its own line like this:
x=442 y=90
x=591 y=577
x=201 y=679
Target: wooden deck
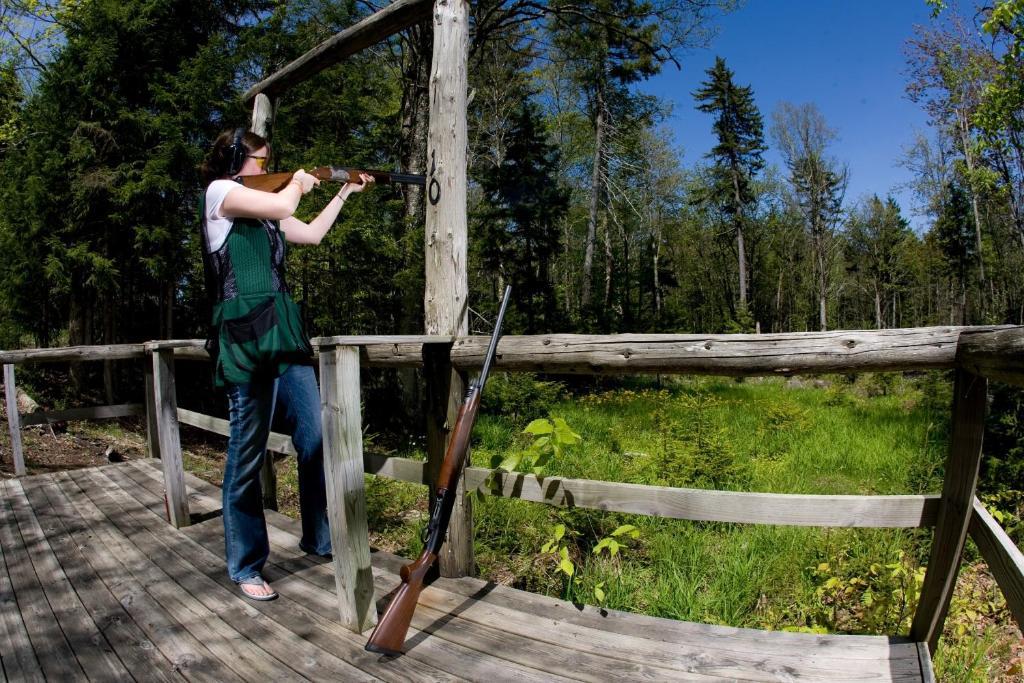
x=94 y=584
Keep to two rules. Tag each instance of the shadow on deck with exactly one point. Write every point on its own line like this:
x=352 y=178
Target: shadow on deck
x=94 y=584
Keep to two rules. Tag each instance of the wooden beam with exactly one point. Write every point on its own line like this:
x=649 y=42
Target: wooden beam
x=165 y=400
x=720 y=354
x=262 y=111
x=91 y=413
x=346 y=499
x=152 y=437
x=14 y=420
x=957 y=507
x=445 y=299
x=370 y=31
x=74 y=353
x=998 y=354
x=1004 y=558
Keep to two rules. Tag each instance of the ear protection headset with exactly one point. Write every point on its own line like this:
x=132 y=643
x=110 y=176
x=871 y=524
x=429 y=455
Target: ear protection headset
x=237 y=151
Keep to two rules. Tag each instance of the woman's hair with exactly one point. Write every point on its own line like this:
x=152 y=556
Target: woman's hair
x=218 y=161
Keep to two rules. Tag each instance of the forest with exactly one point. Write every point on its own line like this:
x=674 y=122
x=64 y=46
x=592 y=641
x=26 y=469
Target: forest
x=579 y=197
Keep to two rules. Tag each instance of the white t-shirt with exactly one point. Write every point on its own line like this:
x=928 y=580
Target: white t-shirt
x=217 y=227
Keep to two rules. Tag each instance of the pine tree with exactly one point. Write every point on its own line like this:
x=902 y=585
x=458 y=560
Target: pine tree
x=518 y=231
x=740 y=132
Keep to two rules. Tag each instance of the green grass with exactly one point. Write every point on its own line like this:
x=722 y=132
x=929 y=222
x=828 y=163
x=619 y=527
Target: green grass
x=880 y=435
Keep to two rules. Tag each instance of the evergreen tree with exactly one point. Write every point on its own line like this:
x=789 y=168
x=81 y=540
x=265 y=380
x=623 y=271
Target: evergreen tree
x=737 y=155
x=518 y=229
x=954 y=232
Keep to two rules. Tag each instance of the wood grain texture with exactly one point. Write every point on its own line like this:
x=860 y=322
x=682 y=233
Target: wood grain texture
x=346 y=499
x=14 y=420
x=166 y=402
x=370 y=31
x=73 y=353
x=997 y=354
x=726 y=354
x=91 y=413
x=956 y=507
x=1004 y=558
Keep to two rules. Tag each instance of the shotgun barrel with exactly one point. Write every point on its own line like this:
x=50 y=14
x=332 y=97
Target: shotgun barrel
x=389 y=635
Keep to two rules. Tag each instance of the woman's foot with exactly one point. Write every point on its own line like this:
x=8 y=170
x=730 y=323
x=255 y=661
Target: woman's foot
x=255 y=588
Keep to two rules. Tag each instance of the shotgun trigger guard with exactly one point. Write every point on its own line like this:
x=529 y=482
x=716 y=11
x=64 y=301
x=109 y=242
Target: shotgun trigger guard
x=435 y=519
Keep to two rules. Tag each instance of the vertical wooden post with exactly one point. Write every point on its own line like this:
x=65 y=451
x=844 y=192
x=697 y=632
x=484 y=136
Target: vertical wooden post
x=969 y=396
x=346 y=500
x=14 y=420
x=445 y=297
x=152 y=437
x=165 y=402
x=261 y=114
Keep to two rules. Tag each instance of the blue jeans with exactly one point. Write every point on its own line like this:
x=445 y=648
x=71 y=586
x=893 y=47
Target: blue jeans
x=251 y=410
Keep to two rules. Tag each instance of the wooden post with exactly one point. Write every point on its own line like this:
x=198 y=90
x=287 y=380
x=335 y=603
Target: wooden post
x=445 y=297
x=152 y=437
x=166 y=404
x=957 y=507
x=262 y=111
x=14 y=420
x=346 y=500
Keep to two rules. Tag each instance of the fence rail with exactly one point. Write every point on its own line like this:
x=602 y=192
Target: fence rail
x=977 y=353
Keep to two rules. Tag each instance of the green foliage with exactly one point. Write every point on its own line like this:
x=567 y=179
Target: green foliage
x=550 y=438
x=695 y=452
x=518 y=393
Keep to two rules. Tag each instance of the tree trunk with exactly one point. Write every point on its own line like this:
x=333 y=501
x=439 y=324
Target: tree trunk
x=740 y=249
x=595 y=198
x=965 y=143
x=878 y=308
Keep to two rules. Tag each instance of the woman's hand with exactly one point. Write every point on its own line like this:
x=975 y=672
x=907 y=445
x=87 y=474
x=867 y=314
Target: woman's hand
x=351 y=188
x=305 y=181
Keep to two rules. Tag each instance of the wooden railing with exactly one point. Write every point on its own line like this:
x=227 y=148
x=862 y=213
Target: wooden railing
x=975 y=353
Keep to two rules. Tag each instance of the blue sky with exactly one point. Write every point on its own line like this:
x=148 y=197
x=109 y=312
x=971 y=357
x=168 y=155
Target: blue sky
x=845 y=57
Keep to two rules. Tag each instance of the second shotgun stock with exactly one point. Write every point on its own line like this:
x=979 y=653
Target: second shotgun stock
x=389 y=635
x=274 y=182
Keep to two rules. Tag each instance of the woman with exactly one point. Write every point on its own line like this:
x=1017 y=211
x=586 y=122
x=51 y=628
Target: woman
x=260 y=347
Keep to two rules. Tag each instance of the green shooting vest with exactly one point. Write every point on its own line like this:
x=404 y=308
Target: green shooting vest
x=257 y=329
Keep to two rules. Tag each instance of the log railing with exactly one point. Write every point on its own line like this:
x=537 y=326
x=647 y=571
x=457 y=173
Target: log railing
x=976 y=353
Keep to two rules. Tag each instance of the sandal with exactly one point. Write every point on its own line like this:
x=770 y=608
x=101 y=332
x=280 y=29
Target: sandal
x=256 y=580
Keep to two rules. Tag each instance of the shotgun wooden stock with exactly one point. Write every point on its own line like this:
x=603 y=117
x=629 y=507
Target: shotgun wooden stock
x=389 y=635
x=274 y=182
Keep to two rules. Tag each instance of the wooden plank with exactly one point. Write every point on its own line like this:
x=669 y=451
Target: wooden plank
x=323 y=621
x=346 y=499
x=131 y=644
x=908 y=511
x=724 y=354
x=233 y=649
x=165 y=400
x=14 y=420
x=152 y=435
x=165 y=623
x=73 y=353
x=91 y=413
x=927 y=673
x=997 y=354
x=17 y=657
x=53 y=652
x=91 y=649
x=969 y=400
x=848 y=651
x=262 y=112
x=177 y=559
x=370 y=31
x=1004 y=558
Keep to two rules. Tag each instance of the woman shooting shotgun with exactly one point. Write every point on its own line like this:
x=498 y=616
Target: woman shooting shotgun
x=258 y=343
x=389 y=635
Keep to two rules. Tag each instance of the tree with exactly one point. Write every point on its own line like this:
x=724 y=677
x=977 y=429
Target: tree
x=518 y=228
x=875 y=241
x=818 y=185
x=955 y=236
x=737 y=155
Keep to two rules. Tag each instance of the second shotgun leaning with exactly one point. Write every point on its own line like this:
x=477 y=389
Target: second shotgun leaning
x=389 y=635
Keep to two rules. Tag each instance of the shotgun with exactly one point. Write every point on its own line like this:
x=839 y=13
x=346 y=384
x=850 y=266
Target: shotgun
x=273 y=182
x=389 y=635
